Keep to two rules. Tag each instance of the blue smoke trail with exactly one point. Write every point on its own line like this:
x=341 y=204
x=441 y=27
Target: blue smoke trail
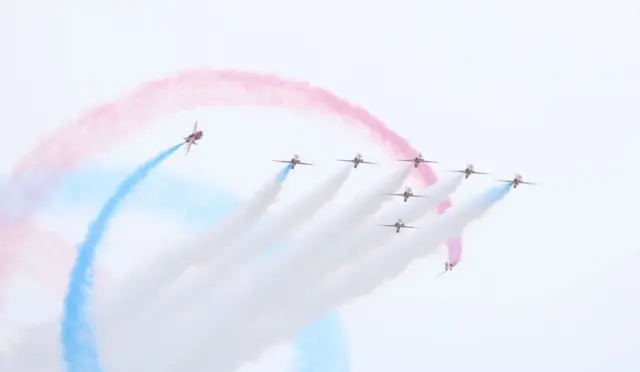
x=489 y=198
x=78 y=340
x=282 y=176
x=495 y=194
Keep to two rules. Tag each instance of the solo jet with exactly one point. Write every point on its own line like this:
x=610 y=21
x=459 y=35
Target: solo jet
x=193 y=137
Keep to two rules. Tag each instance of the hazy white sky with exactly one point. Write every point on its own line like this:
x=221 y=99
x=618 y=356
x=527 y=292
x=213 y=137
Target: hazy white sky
x=548 y=88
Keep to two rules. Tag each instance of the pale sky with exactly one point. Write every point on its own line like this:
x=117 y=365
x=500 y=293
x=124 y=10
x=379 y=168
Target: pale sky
x=546 y=88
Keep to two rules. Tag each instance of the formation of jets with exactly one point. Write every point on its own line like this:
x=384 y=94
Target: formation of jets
x=197 y=134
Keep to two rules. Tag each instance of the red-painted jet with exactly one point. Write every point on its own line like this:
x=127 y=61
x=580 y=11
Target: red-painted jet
x=418 y=159
x=399 y=225
x=517 y=180
x=357 y=160
x=193 y=137
x=468 y=171
x=295 y=160
x=408 y=193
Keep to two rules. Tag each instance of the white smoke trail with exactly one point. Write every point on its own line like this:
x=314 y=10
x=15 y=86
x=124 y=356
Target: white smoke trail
x=363 y=243
x=385 y=264
x=332 y=257
x=256 y=284
x=264 y=236
x=373 y=236
x=157 y=275
x=212 y=274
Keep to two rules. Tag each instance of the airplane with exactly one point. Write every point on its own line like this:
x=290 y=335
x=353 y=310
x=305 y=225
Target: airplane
x=468 y=171
x=408 y=192
x=193 y=137
x=357 y=160
x=295 y=160
x=448 y=266
x=418 y=159
x=517 y=180
x=399 y=225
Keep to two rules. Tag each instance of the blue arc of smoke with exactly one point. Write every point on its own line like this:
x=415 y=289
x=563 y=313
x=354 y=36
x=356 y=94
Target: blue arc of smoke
x=78 y=340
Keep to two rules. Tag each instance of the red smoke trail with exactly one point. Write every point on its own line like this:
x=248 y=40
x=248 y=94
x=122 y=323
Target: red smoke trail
x=94 y=132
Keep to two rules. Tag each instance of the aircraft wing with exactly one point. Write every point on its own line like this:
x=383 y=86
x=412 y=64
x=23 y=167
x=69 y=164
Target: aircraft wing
x=303 y=163
x=405 y=159
x=528 y=183
x=480 y=172
x=396 y=194
x=368 y=162
x=347 y=160
x=388 y=225
x=507 y=181
x=458 y=171
x=409 y=227
x=188 y=148
x=282 y=161
x=419 y=196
